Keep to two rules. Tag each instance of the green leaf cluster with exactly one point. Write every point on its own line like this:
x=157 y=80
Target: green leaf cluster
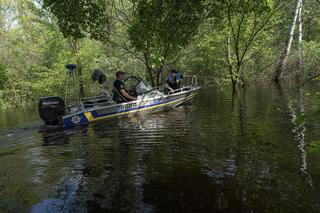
x=78 y=18
x=162 y=28
x=221 y=41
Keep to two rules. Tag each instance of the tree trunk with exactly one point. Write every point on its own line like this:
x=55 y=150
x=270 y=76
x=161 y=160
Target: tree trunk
x=299 y=62
x=159 y=74
x=230 y=66
x=81 y=87
x=148 y=69
x=75 y=49
x=150 y=75
x=241 y=77
x=282 y=60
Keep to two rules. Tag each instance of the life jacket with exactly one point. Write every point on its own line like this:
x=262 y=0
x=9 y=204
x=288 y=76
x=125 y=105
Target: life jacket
x=171 y=79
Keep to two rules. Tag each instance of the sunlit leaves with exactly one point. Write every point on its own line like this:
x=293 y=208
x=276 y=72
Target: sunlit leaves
x=314 y=148
x=8 y=14
x=77 y=18
x=3 y=76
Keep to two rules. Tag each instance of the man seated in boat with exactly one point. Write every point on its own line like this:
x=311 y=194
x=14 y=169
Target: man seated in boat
x=173 y=81
x=120 y=95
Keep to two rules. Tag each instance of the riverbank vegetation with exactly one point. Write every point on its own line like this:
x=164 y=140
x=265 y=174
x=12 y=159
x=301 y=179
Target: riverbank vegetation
x=234 y=42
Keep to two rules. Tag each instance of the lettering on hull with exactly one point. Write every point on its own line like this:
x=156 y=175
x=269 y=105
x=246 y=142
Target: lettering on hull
x=127 y=106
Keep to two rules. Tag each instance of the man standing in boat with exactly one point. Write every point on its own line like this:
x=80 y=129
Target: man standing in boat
x=120 y=95
x=173 y=81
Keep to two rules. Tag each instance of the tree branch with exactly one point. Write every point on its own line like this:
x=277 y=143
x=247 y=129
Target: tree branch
x=254 y=33
x=304 y=82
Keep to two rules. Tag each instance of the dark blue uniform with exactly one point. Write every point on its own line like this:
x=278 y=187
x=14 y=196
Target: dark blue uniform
x=173 y=82
x=117 y=96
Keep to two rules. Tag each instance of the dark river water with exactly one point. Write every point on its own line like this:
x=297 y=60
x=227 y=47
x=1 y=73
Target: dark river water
x=246 y=153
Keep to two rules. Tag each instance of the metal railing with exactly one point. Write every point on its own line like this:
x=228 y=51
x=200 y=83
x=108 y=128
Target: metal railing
x=190 y=79
x=185 y=88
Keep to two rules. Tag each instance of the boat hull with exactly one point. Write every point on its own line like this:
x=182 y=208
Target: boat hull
x=142 y=106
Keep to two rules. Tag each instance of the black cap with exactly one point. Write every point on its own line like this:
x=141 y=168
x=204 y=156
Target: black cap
x=119 y=73
x=174 y=71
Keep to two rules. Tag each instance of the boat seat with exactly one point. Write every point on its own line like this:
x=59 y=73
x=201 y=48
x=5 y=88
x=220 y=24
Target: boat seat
x=93 y=102
x=104 y=99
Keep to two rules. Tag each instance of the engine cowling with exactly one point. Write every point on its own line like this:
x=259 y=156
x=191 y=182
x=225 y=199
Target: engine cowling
x=51 y=109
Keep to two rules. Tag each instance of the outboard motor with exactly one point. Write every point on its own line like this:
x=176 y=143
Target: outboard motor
x=51 y=109
x=98 y=75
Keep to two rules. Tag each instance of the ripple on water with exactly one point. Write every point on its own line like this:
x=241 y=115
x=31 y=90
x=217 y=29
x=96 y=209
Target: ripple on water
x=216 y=155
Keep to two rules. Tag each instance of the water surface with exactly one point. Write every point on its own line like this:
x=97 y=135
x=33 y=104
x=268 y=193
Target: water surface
x=242 y=153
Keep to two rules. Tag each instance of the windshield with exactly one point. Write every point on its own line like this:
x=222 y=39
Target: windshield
x=135 y=85
x=142 y=87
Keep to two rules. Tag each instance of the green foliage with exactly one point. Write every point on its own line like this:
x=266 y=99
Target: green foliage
x=242 y=33
x=76 y=18
x=29 y=52
x=245 y=24
x=204 y=56
x=3 y=77
x=314 y=148
x=311 y=21
x=162 y=28
x=194 y=36
x=311 y=51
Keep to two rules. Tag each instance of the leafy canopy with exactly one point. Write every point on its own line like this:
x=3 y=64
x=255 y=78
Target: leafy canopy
x=163 y=27
x=76 y=18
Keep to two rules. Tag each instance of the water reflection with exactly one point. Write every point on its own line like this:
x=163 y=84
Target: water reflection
x=296 y=111
x=221 y=154
x=52 y=136
x=113 y=161
x=115 y=180
x=63 y=170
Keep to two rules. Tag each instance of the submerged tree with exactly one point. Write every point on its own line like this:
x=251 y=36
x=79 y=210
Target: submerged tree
x=245 y=22
x=282 y=60
x=160 y=29
x=299 y=62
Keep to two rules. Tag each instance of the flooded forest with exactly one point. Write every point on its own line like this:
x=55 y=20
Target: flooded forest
x=246 y=140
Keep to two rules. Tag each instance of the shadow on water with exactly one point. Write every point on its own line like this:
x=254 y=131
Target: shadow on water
x=111 y=154
x=55 y=136
x=117 y=184
x=244 y=153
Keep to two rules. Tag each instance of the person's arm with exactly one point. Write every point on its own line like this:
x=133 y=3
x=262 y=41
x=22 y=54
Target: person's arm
x=126 y=95
x=167 y=86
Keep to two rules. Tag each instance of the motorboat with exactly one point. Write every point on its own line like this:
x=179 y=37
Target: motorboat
x=55 y=110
